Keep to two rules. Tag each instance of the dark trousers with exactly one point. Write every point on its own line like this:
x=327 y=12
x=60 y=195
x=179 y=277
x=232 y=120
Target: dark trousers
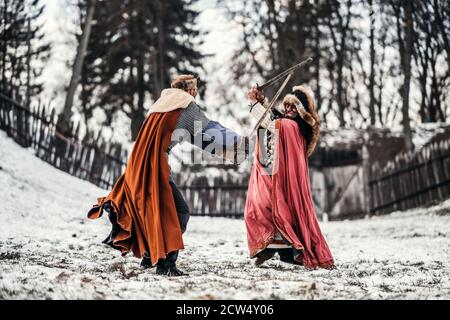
x=183 y=217
x=286 y=254
x=182 y=207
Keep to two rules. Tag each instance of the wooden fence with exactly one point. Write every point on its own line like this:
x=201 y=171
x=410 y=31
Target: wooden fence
x=102 y=163
x=216 y=201
x=412 y=179
x=90 y=158
x=223 y=196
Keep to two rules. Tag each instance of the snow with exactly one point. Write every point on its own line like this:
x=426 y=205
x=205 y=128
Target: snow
x=50 y=250
x=424 y=132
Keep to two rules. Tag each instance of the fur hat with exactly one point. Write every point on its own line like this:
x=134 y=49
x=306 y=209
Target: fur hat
x=311 y=116
x=291 y=99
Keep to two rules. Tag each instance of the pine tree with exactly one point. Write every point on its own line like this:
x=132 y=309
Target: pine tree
x=22 y=49
x=22 y=55
x=276 y=35
x=135 y=48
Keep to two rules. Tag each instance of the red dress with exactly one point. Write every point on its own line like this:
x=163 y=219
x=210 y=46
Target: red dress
x=281 y=203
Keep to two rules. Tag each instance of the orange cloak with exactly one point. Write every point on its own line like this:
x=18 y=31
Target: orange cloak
x=141 y=206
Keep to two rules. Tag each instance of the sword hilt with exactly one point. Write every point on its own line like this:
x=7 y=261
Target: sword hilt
x=258 y=87
x=254 y=104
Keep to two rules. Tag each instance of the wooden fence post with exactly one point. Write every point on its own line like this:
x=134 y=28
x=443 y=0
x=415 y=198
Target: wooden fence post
x=367 y=178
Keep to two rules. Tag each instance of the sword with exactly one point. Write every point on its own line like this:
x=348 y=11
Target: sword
x=277 y=78
x=272 y=103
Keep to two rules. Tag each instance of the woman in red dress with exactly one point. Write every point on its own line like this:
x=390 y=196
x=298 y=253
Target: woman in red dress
x=279 y=211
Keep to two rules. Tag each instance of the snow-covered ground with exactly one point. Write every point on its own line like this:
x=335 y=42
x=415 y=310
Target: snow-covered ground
x=50 y=250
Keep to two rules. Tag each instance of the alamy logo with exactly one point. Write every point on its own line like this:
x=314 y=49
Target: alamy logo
x=221 y=146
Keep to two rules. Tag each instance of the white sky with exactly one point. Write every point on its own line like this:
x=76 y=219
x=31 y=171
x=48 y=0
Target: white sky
x=220 y=41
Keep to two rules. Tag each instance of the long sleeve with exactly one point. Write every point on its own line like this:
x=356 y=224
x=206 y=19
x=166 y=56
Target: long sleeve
x=226 y=143
x=219 y=136
x=195 y=127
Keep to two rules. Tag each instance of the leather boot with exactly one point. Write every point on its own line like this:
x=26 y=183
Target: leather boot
x=167 y=267
x=286 y=255
x=146 y=262
x=263 y=256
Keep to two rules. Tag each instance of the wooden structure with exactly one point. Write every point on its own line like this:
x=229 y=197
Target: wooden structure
x=349 y=179
x=412 y=179
x=90 y=158
x=339 y=170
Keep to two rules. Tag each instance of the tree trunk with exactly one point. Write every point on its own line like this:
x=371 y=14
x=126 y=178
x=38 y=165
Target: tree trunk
x=408 y=27
x=442 y=28
x=283 y=62
x=161 y=45
x=372 y=65
x=317 y=59
x=5 y=47
x=64 y=118
x=137 y=119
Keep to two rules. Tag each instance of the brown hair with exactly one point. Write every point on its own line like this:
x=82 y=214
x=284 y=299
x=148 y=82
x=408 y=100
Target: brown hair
x=184 y=82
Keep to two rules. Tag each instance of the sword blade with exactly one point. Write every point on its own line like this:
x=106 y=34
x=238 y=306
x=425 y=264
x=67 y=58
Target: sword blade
x=284 y=73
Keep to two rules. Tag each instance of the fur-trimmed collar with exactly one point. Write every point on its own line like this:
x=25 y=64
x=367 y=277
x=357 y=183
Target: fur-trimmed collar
x=313 y=114
x=171 y=99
